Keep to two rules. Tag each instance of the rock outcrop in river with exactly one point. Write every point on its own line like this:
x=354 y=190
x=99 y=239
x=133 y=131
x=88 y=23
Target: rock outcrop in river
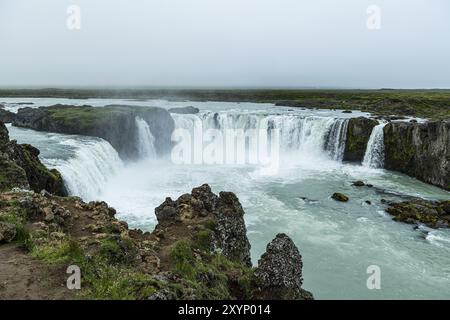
x=420 y=150
x=116 y=124
x=198 y=250
x=20 y=167
x=434 y=214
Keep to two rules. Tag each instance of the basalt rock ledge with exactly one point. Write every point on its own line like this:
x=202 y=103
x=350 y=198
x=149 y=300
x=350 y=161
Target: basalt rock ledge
x=114 y=123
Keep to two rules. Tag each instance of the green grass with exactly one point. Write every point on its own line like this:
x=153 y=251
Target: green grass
x=433 y=104
x=107 y=281
x=213 y=275
x=65 y=252
x=102 y=276
x=11 y=212
x=117 y=251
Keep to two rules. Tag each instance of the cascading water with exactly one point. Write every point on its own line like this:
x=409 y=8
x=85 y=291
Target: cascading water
x=374 y=156
x=336 y=139
x=309 y=135
x=146 y=141
x=88 y=170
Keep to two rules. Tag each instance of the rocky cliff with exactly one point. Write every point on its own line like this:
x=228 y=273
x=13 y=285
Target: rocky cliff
x=116 y=124
x=6 y=116
x=20 y=167
x=421 y=150
x=358 y=134
x=198 y=250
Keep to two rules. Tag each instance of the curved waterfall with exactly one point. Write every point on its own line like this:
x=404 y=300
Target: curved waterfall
x=310 y=135
x=86 y=172
x=146 y=141
x=374 y=156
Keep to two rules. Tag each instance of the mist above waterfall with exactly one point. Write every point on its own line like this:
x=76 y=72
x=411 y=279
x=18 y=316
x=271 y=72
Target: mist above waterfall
x=232 y=43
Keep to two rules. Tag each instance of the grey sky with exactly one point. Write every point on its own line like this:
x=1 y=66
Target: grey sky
x=268 y=43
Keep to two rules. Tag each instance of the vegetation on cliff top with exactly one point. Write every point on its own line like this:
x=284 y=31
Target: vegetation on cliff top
x=432 y=104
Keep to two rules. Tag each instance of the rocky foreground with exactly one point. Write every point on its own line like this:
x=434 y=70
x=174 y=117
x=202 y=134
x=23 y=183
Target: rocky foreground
x=198 y=250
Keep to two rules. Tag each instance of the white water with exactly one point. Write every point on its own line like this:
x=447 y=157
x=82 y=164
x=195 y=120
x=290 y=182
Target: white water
x=336 y=139
x=306 y=136
x=338 y=241
x=374 y=156
x=87 y=172
x=146 y=141
x=86 y=163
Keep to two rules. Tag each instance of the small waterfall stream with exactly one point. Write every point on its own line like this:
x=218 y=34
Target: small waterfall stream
x=146 y=141
x=374 y=156
x=336 y=139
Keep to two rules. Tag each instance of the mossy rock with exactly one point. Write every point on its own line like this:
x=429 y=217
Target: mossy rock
x=340 y=197
x=433 y=214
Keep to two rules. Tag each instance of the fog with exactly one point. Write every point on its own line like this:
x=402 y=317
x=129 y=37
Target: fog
x=225 y=43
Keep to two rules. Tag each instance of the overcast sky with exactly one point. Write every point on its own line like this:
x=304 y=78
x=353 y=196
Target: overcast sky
x=231 y=43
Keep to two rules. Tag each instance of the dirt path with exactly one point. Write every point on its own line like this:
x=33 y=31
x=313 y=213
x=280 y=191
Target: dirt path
x=23 y=277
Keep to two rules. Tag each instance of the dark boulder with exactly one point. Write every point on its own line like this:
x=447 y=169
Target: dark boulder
x=6 y=116
x=279 y=272
x=339 y=197
x=358 y=183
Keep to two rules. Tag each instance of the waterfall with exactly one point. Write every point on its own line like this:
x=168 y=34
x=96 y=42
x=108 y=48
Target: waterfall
x=85 y=173
x=310 y=135
x=146 y=141
x=374 y=156
x=336 y=139
x=303 y=135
